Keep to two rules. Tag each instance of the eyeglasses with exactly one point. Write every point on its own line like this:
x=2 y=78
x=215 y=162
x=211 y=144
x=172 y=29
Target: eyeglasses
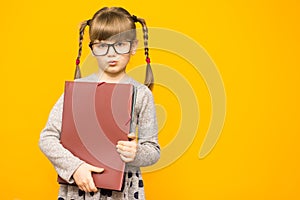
x=101 y=48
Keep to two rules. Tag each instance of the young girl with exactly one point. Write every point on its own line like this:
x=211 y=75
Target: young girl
x=112 y=34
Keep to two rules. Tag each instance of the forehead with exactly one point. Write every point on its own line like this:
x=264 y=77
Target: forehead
x=112 y=33
x=109 y=41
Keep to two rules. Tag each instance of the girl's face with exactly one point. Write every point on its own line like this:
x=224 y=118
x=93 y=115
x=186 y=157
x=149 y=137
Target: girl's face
x=112 y=56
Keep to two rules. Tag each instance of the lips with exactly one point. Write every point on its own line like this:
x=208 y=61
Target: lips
x=112 y=62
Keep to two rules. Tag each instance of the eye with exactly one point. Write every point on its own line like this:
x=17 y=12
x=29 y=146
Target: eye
x=120 y=44
x=101 y=45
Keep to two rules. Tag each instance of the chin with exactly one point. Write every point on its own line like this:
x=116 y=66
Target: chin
x=113 y=70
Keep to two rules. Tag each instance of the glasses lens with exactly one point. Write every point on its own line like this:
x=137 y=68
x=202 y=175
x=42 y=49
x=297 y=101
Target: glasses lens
x=101 y=49
x=122 y=47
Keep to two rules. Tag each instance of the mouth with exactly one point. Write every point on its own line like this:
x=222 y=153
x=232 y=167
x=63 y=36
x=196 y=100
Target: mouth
x=112 y=62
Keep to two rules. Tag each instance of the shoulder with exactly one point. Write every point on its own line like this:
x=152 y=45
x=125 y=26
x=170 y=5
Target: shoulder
x=142 y=90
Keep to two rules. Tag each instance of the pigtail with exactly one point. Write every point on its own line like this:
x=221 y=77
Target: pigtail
x=81 y=33
x=149 y=79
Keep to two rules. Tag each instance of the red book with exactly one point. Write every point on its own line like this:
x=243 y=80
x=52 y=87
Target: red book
x=95 y=117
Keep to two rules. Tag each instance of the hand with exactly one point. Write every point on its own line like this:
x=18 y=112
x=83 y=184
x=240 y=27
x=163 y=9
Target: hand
x=83 y=177
x=127 y=149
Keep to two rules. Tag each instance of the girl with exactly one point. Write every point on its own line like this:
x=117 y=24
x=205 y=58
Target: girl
x=112 y=34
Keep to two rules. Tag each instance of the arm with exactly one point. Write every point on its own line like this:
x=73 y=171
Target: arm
x=63 y=160
x=148 y=150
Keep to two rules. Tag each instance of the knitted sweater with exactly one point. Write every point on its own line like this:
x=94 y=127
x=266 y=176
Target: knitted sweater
x=65 y=163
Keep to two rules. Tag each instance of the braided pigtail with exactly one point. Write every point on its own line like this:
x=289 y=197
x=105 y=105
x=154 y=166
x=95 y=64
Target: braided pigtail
x=149 y=79
x=81 y=33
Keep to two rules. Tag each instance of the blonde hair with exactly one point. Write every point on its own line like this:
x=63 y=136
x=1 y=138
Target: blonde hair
x=114 y=23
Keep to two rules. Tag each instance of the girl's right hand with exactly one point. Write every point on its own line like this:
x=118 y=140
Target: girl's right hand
x=83 y=177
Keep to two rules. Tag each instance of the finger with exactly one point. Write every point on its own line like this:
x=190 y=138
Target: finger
x=92 y=168
x=92 y=187
x=83 y=188
x=131 y=136
x=86 y=185
x=129 y=144
x=125 y=159
x=122 y=147
x=96 y=169
x=130 y=149
x=127 y=154
x=81 y=185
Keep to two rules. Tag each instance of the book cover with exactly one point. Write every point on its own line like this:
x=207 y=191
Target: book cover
x=95 y=117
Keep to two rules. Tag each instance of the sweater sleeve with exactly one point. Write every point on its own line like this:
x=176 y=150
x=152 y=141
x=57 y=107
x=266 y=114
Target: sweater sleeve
x=148 y=151
x=63 y=160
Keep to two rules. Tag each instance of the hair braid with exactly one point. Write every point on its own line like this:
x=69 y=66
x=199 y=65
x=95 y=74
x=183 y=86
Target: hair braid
x=149 y=79
x=81 y=33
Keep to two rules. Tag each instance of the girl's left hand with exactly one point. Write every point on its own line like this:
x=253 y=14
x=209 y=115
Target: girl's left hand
x=128 y=149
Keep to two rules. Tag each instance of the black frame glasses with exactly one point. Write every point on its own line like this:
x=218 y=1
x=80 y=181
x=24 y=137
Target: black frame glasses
x=117 y=49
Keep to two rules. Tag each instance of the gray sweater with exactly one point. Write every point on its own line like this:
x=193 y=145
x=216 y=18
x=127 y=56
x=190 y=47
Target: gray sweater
x=65 y=163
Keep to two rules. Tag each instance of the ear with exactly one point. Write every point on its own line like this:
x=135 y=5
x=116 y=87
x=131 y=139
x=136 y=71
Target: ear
x=134 y=46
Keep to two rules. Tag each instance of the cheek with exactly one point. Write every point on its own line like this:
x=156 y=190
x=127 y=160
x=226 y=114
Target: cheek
x=126 y=58
x=100 y=61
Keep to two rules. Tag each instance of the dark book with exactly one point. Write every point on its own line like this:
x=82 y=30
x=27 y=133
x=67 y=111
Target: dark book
x=95 y=117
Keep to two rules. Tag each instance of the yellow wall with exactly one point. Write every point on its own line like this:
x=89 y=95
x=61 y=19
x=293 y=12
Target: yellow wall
x=255 y=47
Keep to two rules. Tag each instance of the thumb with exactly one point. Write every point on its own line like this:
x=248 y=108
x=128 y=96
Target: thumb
x=131 y=136
x=96 y=169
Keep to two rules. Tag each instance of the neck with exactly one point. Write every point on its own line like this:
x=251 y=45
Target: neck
x=110 y=78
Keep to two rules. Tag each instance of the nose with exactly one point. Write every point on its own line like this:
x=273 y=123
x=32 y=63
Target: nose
x=111 y=51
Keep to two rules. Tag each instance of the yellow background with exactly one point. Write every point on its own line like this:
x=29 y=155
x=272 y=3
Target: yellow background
x=255 y=45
